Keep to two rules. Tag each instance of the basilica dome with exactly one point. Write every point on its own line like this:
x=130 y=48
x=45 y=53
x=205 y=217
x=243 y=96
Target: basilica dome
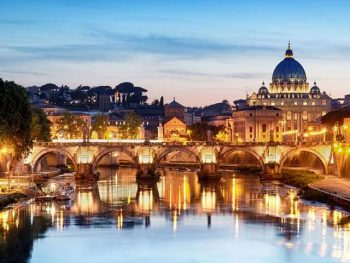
x=263 y=89
x=315 y=89
x=289 y=70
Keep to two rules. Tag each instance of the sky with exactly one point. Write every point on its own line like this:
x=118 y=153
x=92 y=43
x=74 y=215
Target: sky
x=199 y=51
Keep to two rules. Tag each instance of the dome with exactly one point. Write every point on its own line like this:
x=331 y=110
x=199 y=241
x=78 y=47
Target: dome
x=263 y=89
x=315 y=89
x=289 y=70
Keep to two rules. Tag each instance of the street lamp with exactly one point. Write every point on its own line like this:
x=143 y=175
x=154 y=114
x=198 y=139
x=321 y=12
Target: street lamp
x=237 y=134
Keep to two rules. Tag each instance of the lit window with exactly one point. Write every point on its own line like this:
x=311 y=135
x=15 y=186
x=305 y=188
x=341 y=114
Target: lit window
x=304 y=115
x=295 y=103
x=313 y=103
x=305 y=103
x=282 y=103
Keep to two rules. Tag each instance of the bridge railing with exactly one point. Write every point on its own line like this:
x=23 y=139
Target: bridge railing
x=78 y=142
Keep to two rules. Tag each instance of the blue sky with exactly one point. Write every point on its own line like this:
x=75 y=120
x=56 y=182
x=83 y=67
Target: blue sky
x=200 y=52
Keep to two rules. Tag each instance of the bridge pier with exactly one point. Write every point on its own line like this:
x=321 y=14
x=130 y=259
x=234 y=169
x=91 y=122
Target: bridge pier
x=209 y=171
x=85 y=171
x=147 y=172
x=271 y=172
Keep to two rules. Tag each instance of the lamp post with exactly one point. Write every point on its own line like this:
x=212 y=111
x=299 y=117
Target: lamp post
x=254 y=139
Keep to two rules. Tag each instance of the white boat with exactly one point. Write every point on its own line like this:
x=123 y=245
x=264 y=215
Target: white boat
x=66 y=192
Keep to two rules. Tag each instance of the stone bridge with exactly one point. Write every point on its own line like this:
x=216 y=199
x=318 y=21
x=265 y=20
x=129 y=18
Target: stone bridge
x=86 y=156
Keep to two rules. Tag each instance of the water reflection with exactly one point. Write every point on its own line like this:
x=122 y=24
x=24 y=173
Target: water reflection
x=236 y=209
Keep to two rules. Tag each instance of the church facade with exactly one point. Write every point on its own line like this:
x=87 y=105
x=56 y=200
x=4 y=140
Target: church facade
x=289 y=90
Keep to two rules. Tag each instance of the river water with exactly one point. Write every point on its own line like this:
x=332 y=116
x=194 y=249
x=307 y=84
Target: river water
x=239 y=219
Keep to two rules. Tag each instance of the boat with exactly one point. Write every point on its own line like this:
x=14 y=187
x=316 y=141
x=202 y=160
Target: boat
x=45 y=198
x=66 y=193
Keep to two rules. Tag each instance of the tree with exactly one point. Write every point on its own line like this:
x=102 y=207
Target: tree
x=40 y=126
x=100 y=125
x=130 y=127
x=161 y=102
x=221 y=136
x=15 y=120
x=155 y=102
x=199 y=132
x=71 y=126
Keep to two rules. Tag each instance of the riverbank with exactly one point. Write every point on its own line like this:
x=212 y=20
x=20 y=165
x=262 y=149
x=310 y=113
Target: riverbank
x=330 y=190
x=8 y=199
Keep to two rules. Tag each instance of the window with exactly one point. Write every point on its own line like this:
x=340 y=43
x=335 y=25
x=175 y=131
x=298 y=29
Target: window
x=277 y=129
x=295 y=103
x=289 y=115
x=251 y=114
x=324 y=113
x=304 y=115
x=324 y=102
x=282 y=103
x=295 y=116
x=250 y=129
x=313 y=103
x=305 y=103
x=273 y=103
x=264 y=127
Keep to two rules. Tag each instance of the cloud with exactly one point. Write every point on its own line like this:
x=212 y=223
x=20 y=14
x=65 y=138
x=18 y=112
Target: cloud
x=121 y=47
x=21 y=72
x=178 y=46
x=237 y=75
x=74 y=52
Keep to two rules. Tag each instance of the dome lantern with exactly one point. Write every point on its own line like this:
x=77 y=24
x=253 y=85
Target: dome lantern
x=289 y=70
x=289 y=51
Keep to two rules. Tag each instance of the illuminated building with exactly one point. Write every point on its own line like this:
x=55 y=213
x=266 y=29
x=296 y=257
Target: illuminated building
x=289 y=91
x=174 y=130
x=255 y=124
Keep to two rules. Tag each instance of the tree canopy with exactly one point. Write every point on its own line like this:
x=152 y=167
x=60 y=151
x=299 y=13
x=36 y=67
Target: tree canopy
x=40 y=126
x=15 y=119
x=130 y=127
x=100 y=125
x=71 y=126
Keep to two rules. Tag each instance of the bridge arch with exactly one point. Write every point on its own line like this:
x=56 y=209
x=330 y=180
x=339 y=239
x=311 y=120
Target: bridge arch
x=104 y=152
x=172 y=149
x=42 y=153
x=244 y=150
x=303 y=149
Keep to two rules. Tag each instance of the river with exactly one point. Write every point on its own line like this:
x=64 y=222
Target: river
x=178 y=219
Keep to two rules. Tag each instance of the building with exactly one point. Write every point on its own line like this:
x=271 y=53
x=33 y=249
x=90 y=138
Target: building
x=174 y=109
x=302 y=107
x=337 y=125
x=174 y=130
x=104 y=102
x=259 y=124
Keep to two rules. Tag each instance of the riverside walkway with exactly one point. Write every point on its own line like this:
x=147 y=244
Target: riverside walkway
x=334 y=185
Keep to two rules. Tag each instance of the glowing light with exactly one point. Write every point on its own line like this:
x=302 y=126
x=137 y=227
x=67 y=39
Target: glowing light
x=290 y=132
x=208 y=201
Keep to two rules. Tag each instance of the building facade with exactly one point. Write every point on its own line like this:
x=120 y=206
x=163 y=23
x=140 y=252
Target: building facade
x=256 y=124
x=174 y=130
x=174 y=109
x=302 y=106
